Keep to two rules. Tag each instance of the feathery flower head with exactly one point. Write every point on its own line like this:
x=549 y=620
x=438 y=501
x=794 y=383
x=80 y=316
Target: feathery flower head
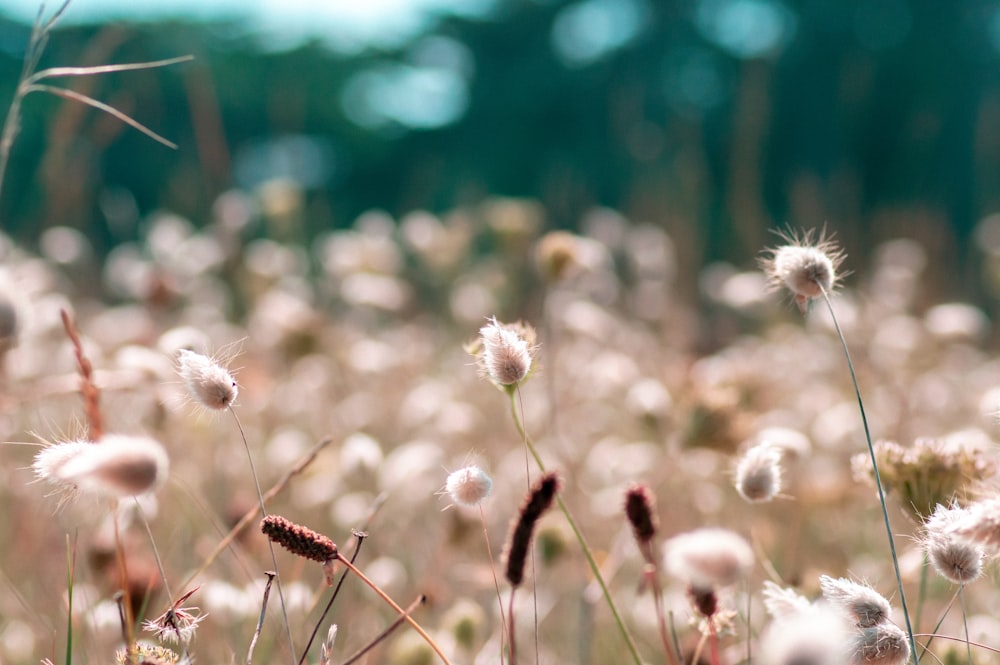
x=504 y=352
x=806 y=268
x=207 y=382
x=147 y=654
x=178 y=624
x=980 y=523
x=817 y=635
x=781 y=602
x=469 y=486
x=862 y=604
x=883 y=644
x=297 y=539
x=930 y=472
x=758 y=473
x=114 y=466
x=708 y=558
x=956 y=559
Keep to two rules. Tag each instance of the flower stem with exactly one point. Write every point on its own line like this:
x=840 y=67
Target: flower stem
x=587 y=553
x=878 y=480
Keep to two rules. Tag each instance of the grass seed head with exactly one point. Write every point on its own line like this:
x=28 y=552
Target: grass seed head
x=116 y=466
x=781 y=602
x=207 y=382
x=469 y=486
x=505 y=354
x=956 y=559
x=538 y=500
x=708 y=558
x=980 y=524
x=807 y=268
x=639 y=502
x=758 y=473
x=864 y=605
x=817 y=635
x=297 y=539
x=884 y=644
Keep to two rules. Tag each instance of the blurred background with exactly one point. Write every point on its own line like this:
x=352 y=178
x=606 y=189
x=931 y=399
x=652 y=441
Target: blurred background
x=715 y=120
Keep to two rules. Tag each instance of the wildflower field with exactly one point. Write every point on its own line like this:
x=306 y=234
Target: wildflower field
x=470 y=438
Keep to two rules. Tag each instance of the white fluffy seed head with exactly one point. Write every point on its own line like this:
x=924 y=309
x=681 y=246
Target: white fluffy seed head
x=781 y=602
x=116 y=466
x=758 y=473
x=980 y=523
x=506 y=356
x=708 y=558
x=817 y=635
x=808 y=269
x=207 y=382
x=884 y=644
x=956 y=559
x=862 y=604
x=468 y=486
x=50 y=460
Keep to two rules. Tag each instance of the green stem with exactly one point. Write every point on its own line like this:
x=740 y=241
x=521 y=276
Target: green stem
x=579 y=535
x=878 y=480
x=965 y=622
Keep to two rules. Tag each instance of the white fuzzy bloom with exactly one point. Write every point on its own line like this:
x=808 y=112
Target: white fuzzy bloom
x=708 y=558
x=781 y=602
x=208 y=383
x=805 y=268
x=980 y=524
x=884 y=644
x=468 y=486
x=956 y=559
x=50 y=460
x=863 y=605
x=506 y=355
x=116 y=466
x=758 y=473
x=817 y=635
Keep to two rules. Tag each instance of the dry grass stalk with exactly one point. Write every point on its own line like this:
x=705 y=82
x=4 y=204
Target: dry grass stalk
x=89 y=391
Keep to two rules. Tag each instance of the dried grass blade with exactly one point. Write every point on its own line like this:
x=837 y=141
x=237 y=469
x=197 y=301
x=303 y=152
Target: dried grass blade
x=54 y=72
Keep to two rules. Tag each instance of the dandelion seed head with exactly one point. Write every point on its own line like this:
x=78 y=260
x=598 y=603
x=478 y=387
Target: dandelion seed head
x=469 y=486
x=758 y=473
x=207 y=382
x=709 y=557
x=863 y=605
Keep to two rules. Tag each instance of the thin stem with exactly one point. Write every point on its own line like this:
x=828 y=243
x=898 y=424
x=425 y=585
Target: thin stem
x=126 y=604
x=54 y=72
x=70 y=576
x=878 y=480
x=156 y=551
x=385 y=633
x=587 y=553
x=270 y=545
x=978 y=645
x=531 y=553
x=496 y=582
x=937 y=626
x=965 y=621
x=359 y=538
x=384 y=596
x=510 y=619
x=922 y=593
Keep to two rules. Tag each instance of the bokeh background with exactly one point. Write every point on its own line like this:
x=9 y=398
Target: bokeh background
x=713 y=119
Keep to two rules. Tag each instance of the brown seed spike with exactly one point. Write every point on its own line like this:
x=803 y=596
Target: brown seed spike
x=639 y=510
x=537 y=502
x=297 y=539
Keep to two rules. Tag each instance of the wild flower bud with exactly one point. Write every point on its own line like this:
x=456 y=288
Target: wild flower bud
x=469 y=486
x=506 y=353
x=862 y=604
x=884 y=644
x=956 y=559
x=639 y=501
x=537 y=501
x=758 y=473
x=115 y=466
x=805 y=268
x=708 y=558
x=207 y=382
x=297 y=539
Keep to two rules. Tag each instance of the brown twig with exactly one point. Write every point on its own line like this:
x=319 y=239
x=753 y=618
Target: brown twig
x=385 y=633
x=88 y=389
x=260 y=620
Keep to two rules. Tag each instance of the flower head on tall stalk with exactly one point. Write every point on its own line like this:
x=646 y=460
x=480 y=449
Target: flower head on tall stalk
x=808 y=268
x=505 y=352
